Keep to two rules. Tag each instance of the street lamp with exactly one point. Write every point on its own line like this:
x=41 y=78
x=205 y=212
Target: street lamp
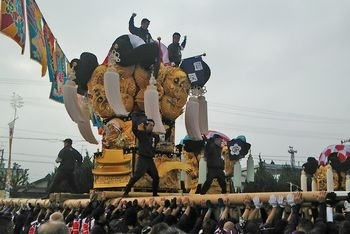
x=16 y=103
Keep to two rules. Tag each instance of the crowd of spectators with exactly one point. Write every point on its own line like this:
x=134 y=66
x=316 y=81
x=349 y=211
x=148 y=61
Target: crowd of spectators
x=280 y=214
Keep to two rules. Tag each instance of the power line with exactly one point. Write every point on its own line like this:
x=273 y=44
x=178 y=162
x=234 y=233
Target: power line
x=277 y=132
x=34 y=155
x=30 y=161
x=25 y=82
x=34 y=138
x=274 y=115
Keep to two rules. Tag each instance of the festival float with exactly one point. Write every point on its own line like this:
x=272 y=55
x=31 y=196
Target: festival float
x=140 y=80
x=114 y=90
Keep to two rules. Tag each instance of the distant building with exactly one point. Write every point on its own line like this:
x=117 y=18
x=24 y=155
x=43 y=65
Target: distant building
x=36 y=189
x=274 y=168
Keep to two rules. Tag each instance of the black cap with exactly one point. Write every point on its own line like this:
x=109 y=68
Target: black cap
x=68 y=140
x=176 y=34
x=217 y=136
x=144 y=20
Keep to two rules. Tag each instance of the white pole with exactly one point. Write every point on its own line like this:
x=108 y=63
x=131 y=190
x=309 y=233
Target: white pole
x=16 y=102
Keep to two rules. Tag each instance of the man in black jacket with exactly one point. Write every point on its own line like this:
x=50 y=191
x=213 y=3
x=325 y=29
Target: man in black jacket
x=67 y=158
x=215 y=164
x=147 y=141
x=174 y=49
x=141 y=31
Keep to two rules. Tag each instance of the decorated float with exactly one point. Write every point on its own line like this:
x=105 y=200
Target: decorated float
x=131 y=79
x=137 y=79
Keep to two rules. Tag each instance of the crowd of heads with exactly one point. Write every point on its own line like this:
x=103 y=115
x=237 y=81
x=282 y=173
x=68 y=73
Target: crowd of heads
x=280 y=214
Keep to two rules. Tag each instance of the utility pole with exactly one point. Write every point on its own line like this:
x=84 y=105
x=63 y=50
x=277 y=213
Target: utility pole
x=292 y=157
x=16 y=103
x=2 y=159
x=2 y=169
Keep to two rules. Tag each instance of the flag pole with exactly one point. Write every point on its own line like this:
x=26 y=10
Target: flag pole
x=196 y=56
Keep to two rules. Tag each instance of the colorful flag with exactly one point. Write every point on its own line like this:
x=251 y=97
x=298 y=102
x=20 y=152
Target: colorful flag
x=60 y=76
x=50 y=50
x=12 y=21
x=36 y=35
x=197 y=70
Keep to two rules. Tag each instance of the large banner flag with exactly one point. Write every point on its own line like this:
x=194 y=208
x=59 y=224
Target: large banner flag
x=197 y=70
x=36 y=36
x=12 y=21
x=60 y=74
x=50 y=50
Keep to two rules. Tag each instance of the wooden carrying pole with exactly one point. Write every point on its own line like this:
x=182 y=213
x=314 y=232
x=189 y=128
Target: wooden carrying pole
x=234 y=198
x=115 y=197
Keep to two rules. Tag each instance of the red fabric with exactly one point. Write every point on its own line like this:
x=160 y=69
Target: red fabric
x=32 y=229
x=86 y=227
x=76 y=226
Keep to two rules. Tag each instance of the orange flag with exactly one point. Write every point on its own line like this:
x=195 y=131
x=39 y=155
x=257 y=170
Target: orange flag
x=12 y=21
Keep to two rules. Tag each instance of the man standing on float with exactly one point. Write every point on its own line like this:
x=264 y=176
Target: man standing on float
x=147 y=141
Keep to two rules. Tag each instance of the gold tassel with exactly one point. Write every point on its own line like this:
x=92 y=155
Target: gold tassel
x=203 y=115
x=347 y=182
x=151 y=103
x=191 y=119
x=111 y=81
x=70 y=99
x=329 y=177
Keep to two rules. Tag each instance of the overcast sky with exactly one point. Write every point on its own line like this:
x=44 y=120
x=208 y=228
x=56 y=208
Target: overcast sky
x=279 y=72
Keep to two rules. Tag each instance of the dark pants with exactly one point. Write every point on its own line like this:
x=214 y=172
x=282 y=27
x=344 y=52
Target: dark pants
x=212 y=174
x=144 y=165
x=63 y=175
